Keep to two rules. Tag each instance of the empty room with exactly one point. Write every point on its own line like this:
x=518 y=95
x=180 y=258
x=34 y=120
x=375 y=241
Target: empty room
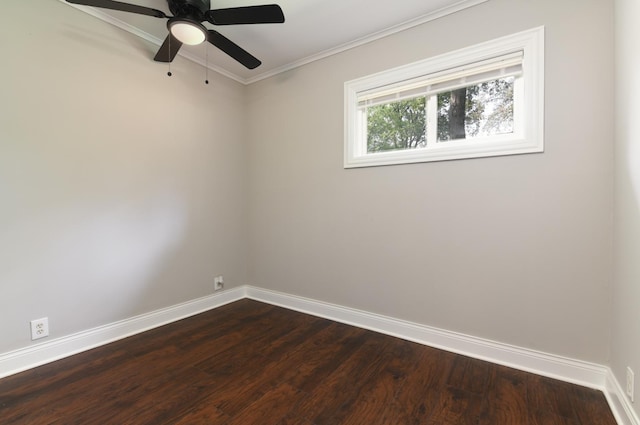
x=319 y=212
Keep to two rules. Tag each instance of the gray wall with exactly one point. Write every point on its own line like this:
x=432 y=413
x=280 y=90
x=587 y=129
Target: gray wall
x=516 y=249
x=122 y=190
x=625 y=345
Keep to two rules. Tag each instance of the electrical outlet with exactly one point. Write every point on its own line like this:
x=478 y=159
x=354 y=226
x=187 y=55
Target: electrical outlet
x=39 y=328
x=218 y=283
x=630 y=379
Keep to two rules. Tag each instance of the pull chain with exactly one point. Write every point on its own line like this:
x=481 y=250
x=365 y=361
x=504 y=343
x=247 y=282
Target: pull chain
x=206 y=63
x=169 y=73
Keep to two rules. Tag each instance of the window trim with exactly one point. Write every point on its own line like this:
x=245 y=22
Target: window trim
x=530 y=139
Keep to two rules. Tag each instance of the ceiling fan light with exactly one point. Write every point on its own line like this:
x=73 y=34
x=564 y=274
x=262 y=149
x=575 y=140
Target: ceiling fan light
x=187 y=31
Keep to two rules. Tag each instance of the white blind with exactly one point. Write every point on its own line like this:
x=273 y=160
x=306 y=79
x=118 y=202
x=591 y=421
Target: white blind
x=468 y=75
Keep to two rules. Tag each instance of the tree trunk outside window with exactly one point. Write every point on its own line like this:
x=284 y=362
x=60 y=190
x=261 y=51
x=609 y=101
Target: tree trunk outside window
x=457 y=114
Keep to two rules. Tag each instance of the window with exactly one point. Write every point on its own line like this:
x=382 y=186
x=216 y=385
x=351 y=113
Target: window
x=485 y=100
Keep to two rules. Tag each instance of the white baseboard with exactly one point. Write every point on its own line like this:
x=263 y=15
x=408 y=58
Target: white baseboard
x=618 y=401
x=39 y=354
x=562 y=368
x=557 y=367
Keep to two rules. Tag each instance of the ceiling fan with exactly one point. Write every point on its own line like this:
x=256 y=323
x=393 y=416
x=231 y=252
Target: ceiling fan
x=185 y=27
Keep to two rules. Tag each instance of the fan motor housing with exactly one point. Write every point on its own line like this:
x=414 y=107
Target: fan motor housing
x=194 y=9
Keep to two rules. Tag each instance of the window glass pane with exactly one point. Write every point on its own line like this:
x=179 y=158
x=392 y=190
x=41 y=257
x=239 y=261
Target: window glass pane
x=396 y=125
x=480 y=110
x=478 y=101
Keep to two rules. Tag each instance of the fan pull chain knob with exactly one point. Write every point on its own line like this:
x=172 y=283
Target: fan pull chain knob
x=206 y=64
x=169 y=74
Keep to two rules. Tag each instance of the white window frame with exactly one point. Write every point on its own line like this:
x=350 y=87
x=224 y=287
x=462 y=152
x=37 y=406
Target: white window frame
x=528 y=135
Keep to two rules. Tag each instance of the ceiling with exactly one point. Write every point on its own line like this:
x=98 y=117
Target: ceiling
x=313 y=29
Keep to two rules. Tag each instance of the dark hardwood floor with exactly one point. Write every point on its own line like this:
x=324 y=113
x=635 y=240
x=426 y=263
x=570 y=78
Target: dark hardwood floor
x=252 y=363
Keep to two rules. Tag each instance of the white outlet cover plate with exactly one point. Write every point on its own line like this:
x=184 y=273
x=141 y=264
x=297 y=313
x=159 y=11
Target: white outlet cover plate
x=218 y=283
x=39 y=328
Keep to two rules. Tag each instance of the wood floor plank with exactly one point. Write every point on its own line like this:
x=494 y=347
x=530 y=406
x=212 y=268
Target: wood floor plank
x=252 y=363
x=201 y=414
x=376 y=403
x=591 y=406
x=271 y=408
x=551 y=396
x=331 y=401
x=322 y=355
x=456 y=406
x=403 y=382
x=421 y=388
x=129 y=392
x=473 y=374
x=505 y=401
x=246 y=387
x=545 y=417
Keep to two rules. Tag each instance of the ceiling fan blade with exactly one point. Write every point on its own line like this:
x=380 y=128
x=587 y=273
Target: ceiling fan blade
x=116 y=5
x=266 y=14
x=168 y=50
x=233 y=50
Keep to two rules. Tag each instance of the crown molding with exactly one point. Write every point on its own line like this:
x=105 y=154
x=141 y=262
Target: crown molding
x=464 y=4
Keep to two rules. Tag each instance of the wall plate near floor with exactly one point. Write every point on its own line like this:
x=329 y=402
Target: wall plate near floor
x=218 y=283
x=39 y=328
